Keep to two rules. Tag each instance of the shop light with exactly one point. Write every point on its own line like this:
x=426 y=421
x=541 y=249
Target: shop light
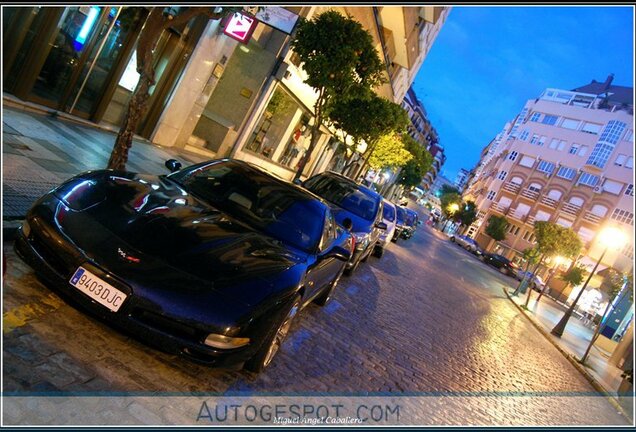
x=86 y=28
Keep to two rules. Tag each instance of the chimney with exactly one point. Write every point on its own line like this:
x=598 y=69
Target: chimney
x=608 y=81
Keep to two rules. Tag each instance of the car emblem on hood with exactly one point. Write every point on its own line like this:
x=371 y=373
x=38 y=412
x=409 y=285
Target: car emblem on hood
x=127 y=257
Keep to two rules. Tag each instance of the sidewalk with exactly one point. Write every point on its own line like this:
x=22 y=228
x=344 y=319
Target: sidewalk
x=41 y=151
x=574 y=342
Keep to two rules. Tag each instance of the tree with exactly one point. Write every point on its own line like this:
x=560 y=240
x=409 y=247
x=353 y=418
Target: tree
x=553 y=240
x=496 y=228
x=340 y=60
x=389 y=152
x=467 y=214
x=530 y=256
x=415 y=169
x=157 y=21
x=574 y=276
x=366 y=117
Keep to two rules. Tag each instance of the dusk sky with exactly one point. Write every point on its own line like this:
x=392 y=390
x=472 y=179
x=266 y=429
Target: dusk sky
x=488 y=61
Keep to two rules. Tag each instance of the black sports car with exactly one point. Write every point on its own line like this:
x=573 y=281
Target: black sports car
x=212 y=261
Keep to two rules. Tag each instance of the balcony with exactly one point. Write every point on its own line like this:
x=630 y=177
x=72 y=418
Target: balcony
x=549 y=202
x=520 y=216
x=592 y=218
x=571 y=209
x=511 y=187
x=530 y=220
x=498 y=208
x=530 y=194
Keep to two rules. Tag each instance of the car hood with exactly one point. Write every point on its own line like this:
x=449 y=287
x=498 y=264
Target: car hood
x=359 y=224
x=154 y=221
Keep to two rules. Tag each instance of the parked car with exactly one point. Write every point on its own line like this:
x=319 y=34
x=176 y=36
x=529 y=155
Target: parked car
x=467 y=243
x=536 y=282
x=389 y=217
x=400 y=222
x=353 y=204
x=213 y=261
x=502 y=263
x=410 y=224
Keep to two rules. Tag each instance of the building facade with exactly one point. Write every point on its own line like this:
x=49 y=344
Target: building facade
x=568 y=159
x=214 y=95
x=461 y=179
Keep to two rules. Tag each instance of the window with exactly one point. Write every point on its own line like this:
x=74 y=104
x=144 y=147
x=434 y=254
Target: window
x=516 y=180
x=556 y=144
x=630 y=162
x=524 y=135
x=629 y=190
x=620 y=160
x=629 y=136
x=628 y=251
x=526 y=234
x=588 y=179
x=532 y=238
x=527 y=161
x=535 y=187
x=542 y=216
x=606 y=143
x=513 y=155
x=599 y=210
x=546 y=167
x=574 y=149
x=541 y=141
x=583 y=151
x=570 y=124
x=623 y=216
x=549 y=119
x=535 y=117
x=577 y=201
x=566 y=173
x=586 y=234
x=564 y=222
x=502 y=175
x=591 y=128
x=612 y=187
x=491 y=195
x=555 y=194
x=534 y=139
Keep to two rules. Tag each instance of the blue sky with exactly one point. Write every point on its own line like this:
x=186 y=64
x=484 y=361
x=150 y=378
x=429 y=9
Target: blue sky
x=488 y=61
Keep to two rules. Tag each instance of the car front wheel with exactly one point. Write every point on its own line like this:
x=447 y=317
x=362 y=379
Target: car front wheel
x=326 y=295
x=274 y=339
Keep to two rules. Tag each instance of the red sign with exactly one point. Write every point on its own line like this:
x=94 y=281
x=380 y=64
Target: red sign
x=240 y=27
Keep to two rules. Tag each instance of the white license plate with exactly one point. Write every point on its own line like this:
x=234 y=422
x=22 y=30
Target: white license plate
x=97 y=289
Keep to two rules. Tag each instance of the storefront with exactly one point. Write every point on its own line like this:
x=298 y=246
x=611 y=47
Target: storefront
x=81 y=60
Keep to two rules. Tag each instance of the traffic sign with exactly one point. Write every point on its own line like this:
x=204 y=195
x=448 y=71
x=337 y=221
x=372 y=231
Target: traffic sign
x=240 y=27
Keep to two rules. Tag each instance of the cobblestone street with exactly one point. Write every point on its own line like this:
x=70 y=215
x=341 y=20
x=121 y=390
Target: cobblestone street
x=428 y=318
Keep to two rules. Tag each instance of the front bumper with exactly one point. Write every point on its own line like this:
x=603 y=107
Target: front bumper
x=153 y=329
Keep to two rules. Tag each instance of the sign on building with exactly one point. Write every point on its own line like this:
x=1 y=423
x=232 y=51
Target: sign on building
x=240 y=27
x=277 y=17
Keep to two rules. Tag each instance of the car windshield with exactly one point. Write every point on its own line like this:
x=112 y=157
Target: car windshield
x=410 y=218
x=345 y=194
x=389 y=213
x=255 y=198
x=401 y=215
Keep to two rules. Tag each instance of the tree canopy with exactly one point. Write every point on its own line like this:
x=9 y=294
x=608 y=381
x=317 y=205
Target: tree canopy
x=340 y=60
x=496 y=228
x=416 y=168
x=553 y=240
x=389 y=152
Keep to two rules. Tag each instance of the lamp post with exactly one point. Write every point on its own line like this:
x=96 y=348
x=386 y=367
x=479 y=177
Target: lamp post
x=610 y=236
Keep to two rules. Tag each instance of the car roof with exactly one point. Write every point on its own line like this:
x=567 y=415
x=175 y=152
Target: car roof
x=317 y=199
x=347 y=179
x=386 y=201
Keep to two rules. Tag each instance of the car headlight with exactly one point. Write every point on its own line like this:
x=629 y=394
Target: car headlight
x=362 y=239
x=225 y=342
x=26 y=228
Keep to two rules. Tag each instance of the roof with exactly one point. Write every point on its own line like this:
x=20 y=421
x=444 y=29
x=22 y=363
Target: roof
x=617 y=94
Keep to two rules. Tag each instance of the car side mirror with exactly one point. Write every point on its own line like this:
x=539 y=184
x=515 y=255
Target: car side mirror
x=339 y=253
x=173 y=165
x=298 y=182
x=381 y=225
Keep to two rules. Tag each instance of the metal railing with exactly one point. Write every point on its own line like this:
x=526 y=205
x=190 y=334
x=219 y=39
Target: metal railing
x=570 y=209
x=530 y=194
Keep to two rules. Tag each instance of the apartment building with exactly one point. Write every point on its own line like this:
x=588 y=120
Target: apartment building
x=462 y=178
x=568 y=159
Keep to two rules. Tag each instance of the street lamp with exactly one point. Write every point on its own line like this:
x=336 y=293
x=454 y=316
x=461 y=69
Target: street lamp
x=608 y=237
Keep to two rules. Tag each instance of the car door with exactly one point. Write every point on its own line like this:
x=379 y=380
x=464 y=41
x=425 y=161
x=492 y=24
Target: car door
x=326 y=266
x=375 y=231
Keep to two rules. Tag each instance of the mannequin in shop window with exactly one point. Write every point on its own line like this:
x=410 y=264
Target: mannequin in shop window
x=295 y=146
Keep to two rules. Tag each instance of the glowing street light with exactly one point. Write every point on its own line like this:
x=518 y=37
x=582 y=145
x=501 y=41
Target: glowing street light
x=608 y=237
x=453 y=207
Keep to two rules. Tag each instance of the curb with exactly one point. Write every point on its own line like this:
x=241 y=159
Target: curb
x=593 y=382
x=10 y=229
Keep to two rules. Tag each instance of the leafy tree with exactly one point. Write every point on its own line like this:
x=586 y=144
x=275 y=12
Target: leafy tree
x=553 y=240
x=467 y=214
x=415 y=169
x=530 y=256
x=447 y=200
x=496 y=228
x=448 y=189
x=156 y=22
x=575 y=275
x=366 y=117
x=340 y=60
x=389 y=153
